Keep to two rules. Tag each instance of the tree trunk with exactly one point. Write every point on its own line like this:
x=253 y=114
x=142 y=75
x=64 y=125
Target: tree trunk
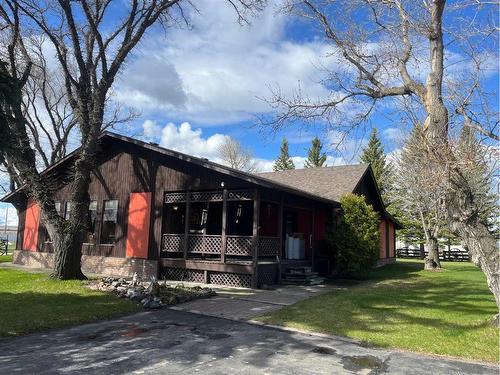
x=67 y=262
x=68 y=253
x=422 y=251
x=483 y=252
x=432 y=259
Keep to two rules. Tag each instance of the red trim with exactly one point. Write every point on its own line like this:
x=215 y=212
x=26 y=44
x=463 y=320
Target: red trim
x=382 y=254
x=138 y=225
x=32 y=223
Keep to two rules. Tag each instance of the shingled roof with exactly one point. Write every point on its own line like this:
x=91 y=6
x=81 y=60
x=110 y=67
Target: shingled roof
x=327 y=182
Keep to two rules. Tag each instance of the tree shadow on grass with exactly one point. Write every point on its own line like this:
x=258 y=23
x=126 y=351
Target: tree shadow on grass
x=30 y=311
x=398 y=301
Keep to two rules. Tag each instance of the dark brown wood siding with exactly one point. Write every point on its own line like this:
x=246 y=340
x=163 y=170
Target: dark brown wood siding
x=126 y=168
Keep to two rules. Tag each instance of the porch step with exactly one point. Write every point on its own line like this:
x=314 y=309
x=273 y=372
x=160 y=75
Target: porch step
x=302 y=275
x=299 y=270
x=311 y=281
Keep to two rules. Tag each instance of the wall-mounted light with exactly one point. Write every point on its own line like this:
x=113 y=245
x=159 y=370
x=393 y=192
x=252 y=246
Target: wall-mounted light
x=222 y=184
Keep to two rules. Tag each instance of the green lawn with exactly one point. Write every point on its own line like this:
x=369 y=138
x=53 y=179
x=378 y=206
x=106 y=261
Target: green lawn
x=5 y=258
x=402 y=306
x=32 y=302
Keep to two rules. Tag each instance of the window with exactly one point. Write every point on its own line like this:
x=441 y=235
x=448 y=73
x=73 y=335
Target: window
x=174 y=218
x=205 y=218
x=240 y=218
x=67 y=211
x=58 y=207
x=109 y=216
x=91 y=222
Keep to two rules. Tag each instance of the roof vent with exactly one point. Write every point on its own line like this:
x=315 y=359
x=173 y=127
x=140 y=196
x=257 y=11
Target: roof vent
x=153 y=143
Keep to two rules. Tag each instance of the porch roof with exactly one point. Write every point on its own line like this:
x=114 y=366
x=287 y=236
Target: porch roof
x=249 y=177
x=327 y=182
x=330 y=182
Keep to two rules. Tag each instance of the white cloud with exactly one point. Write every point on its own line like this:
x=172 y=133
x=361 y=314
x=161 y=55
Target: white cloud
x=393 y=134
x=184 y=138
x=8 y=212
x=216 y=72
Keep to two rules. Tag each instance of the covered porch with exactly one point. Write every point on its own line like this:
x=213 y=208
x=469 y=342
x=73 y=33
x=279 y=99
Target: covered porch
x=233 y=237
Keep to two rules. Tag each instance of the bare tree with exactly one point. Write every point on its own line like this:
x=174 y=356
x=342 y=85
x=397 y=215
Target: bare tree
x=233 y=154
x=91 y=40
x=403 y=53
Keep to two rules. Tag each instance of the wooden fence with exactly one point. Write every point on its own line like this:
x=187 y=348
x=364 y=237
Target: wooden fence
x=452 y=255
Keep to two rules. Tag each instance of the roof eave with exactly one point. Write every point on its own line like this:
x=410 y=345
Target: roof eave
x=261 y=181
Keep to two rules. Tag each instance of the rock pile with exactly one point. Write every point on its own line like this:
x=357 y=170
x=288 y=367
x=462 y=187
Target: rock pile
x=151 y=294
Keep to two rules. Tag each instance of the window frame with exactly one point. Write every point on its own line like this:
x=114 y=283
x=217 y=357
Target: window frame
x=103 y=222
x=96 y=222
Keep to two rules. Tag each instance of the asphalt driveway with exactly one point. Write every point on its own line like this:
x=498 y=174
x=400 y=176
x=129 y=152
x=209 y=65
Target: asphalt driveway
x=169 y=341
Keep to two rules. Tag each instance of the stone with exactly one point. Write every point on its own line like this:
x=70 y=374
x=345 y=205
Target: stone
x=135 y=279
x=115 y=283
x=154 y=305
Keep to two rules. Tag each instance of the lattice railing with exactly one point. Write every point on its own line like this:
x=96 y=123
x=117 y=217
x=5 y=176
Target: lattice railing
x=240 y=195
x=266 y=276
x=209 y=196
x=173 y=243
x=175 y=197
x=238 y=245
x=181 y=274
x=206 y=196
x=269 y=246
x=204 y=244
x=231 y=279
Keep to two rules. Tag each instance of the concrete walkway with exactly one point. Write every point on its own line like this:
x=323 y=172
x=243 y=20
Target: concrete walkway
x=176 y=342
x=245 y=304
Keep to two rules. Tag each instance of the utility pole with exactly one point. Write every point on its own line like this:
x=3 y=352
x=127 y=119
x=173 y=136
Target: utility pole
x=5 y=227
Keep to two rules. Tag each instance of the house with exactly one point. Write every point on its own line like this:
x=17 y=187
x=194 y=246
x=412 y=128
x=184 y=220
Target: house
x=159 y=212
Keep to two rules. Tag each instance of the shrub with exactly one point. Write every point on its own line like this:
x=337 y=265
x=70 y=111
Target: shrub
x=354 y=237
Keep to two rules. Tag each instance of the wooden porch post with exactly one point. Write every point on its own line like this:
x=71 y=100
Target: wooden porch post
x=186 y=224
x=224 y=221
x=280 y=235
x=313 y=224
x=255 y=236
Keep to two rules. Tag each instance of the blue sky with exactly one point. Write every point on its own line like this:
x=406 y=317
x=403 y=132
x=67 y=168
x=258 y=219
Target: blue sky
x=193 y=87
x=217 y=77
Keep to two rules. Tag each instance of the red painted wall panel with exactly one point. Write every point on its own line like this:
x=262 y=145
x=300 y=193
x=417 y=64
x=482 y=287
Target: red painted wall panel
x=139 y=210
x=382 y=239
x=391 y=239
x=320 y=224
x=32 y=222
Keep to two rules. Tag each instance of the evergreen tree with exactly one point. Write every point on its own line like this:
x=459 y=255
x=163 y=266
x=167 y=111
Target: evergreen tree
x=315 y=158
x=284 y=161
x=374 y=155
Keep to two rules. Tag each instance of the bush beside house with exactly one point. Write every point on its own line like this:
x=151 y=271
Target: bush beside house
x=354 y=237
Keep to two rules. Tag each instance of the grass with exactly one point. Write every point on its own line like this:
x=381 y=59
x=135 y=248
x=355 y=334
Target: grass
x=5 y=258
x=33 y=302
x=402 y=306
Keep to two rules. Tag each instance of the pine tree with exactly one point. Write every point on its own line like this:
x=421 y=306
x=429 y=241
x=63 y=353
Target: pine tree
x=284 y=161
x=374 y=155
x=315 y=158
